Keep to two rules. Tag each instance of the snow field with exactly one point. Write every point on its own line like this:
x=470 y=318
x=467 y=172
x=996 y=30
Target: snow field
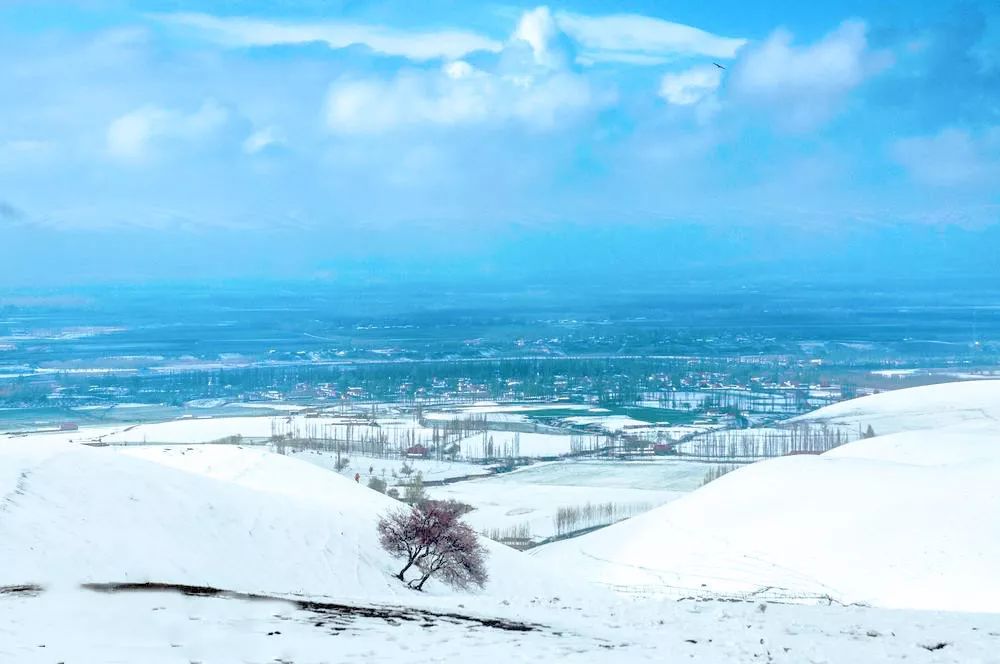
x=368 y=467
x=166 y=628
x=507 y=505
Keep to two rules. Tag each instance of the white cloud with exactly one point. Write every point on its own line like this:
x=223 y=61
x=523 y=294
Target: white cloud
x=590 y=58
x=415 y=45
x=625 y=38
x=129 y=134
x=459 y=69
x=951 y=158
x=637 y=39
x=457 y=95
x=130 y=137
x=533 y=90
x=261 y=140
x=539 y=30
x=836 y=63
x=806 y=82
x=691 y=86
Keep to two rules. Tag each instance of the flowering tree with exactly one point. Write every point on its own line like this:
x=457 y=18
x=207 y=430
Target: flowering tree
x=431 y=537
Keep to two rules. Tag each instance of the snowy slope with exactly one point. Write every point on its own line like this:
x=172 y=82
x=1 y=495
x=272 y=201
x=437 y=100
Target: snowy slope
x=964 y=444
x=910 y=520
x=928 y=407
x=224 y=516
x=166 y=628
x=252 y=520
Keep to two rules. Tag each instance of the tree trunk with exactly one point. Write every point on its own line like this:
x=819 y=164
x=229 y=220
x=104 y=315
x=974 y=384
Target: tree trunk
x=406 y=567
x=423 y=580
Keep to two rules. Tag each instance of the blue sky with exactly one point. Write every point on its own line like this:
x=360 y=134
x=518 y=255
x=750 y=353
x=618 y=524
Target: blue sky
x=159 y=140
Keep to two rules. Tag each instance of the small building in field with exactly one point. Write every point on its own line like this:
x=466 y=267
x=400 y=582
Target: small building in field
x=417 y=451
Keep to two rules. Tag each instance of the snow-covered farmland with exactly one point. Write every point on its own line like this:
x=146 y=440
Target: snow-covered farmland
x=512 y=443
x=654 y=474
x=503 y=505
x=393 y=434
x=391 y=470
x=611 y=423
x=530 y=497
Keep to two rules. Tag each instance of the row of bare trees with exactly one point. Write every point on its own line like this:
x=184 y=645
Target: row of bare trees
x=580 y=444
x=569 y=519
x=715 y=471
x=469 y=436
x=766 y=443
x=514 y=535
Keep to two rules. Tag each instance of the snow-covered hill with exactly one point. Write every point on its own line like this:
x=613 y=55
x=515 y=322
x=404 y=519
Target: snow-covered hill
x=973 y=403
x=907 y=520
x=222 y=516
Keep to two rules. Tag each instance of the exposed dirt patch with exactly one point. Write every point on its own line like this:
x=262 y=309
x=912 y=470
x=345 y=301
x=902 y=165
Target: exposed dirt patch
x=935 y=646
x=335 y=614
x=26 y=589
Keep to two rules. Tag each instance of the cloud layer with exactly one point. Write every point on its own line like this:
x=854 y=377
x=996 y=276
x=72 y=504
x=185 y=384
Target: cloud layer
x=248 y=32
x=543 y=118
x=636 y=39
